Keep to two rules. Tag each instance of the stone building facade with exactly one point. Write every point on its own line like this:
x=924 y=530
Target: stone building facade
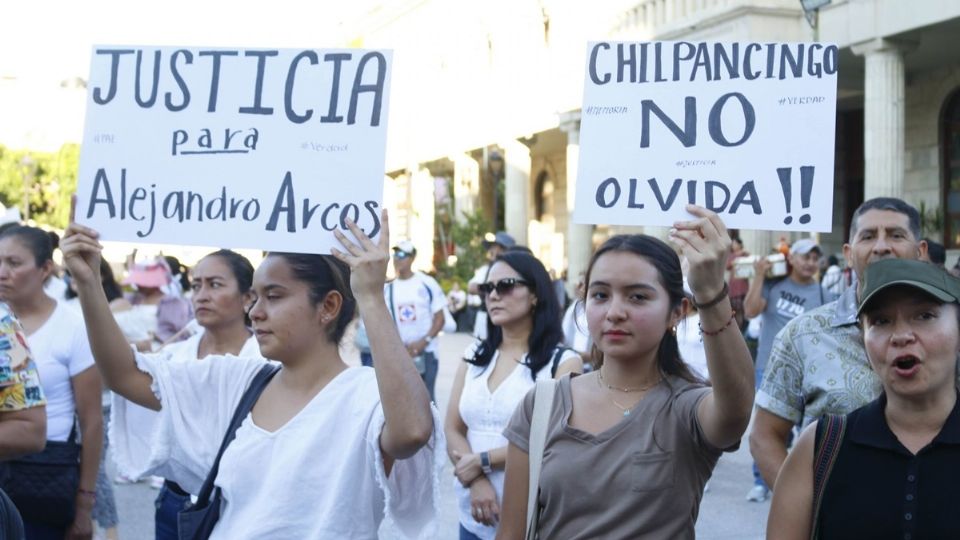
x=484 y=94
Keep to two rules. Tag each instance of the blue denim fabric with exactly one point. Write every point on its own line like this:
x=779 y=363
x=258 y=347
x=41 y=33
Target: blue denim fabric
x=431 y=364
x=757 y=479
x=169 y=504
x=430 y=376
x=467 y=535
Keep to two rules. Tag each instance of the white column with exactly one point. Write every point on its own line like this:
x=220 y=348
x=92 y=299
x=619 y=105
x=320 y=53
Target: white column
x=421 y=224
x=516 y=194
x=883 y=145
x=757 y=242
x=579 y=237
x=466 y=185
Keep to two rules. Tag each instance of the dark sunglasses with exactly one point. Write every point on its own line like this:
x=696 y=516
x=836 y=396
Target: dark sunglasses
x=504 y=286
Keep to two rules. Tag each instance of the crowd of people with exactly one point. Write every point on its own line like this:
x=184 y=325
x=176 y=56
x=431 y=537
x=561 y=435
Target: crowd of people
x=605 y=418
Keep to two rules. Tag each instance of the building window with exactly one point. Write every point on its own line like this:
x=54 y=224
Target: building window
x=950 y=129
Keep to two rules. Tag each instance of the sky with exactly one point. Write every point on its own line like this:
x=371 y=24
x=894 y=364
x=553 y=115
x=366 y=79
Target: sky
x=51 y=39
x=46 y=42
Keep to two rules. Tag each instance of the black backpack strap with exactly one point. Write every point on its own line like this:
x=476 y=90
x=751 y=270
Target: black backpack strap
x=555 y=363
x=247 y=401
x=829 y=439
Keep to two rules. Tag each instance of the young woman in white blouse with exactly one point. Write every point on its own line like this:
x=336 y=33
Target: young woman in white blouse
x=524 y=343
x=221 y=287
x=327 y=451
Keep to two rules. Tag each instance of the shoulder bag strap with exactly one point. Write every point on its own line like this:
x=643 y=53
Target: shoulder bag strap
x=830 y=430
x=246 y=404
x=73 y=430
x=429 y=292
x=542 y=404
x=555 y=363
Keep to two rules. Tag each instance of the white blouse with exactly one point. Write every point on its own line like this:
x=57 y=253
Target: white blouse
x=319 y=476
x=486 y=414
x=131 y=428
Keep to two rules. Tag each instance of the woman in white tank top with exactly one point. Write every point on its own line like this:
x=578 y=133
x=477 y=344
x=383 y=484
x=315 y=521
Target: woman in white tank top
x=524 y=343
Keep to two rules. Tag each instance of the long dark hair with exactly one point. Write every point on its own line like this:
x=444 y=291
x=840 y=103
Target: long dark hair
x=179 y=272
x=324 y=273
x=547 y=331
x=239 y=266
x=111 y=288
x=665 y=260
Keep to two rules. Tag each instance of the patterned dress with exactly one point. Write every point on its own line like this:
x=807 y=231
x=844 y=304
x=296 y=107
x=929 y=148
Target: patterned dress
x=19 y=383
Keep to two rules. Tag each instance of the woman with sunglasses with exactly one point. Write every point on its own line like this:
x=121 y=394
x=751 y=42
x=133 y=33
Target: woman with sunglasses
x=327 y=451
x=630 y=446
x=523 y=344
x=221 y=288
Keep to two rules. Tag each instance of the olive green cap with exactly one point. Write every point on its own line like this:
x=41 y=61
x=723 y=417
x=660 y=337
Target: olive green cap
x=925 y=276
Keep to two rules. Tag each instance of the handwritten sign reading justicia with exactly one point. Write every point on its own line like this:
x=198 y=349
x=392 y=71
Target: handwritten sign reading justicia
x=249 y=148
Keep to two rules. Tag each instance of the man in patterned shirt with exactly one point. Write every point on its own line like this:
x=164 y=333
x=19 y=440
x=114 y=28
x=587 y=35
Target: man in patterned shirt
x=818 y=364
x=23 y=416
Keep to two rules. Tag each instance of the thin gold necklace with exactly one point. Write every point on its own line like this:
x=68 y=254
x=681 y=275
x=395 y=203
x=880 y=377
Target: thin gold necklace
x=627 y=390
x=626 y=410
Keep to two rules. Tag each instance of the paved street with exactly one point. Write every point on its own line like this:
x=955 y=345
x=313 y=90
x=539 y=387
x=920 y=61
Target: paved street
x=724 y=514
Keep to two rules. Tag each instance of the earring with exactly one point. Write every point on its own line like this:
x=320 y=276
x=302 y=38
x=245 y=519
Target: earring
x=673 y=331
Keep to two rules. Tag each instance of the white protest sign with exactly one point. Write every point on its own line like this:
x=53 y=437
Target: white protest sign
x=744 y=129
x=267 y=148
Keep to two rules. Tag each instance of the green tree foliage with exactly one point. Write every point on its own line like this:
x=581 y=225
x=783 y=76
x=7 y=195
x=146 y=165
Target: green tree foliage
x=467 y=235
x=48 y=179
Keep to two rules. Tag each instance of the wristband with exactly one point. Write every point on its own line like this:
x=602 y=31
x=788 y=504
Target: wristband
x=715 y=301
x=428 y=338
x=87 y=493
x=485 y=463
x=733 y=316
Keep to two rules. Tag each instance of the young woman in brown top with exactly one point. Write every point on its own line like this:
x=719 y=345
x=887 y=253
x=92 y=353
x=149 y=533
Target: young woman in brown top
x=630 y=446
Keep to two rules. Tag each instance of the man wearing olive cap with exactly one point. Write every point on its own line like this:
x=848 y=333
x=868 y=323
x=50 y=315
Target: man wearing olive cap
x=818 y=364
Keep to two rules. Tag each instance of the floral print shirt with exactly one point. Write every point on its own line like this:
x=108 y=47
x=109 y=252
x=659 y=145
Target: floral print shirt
x=19 y=383
x=818 y=365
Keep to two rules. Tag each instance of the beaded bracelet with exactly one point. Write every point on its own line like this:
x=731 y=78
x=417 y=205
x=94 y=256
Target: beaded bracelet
x=715 y=301
x=733 y=315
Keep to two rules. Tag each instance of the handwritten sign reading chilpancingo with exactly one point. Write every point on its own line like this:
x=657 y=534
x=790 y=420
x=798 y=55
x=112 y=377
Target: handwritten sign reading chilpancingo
x=744 y=129
x=267 y=148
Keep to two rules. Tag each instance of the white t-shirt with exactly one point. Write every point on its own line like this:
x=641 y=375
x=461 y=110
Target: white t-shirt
x=690 y=345
x=487 y=414
x=137 y=323
x=480 y=321
x=62 y=351
x=55 y=287
x=575 y=332
x=132 y=427
x=319 y=476
x=412 y=308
